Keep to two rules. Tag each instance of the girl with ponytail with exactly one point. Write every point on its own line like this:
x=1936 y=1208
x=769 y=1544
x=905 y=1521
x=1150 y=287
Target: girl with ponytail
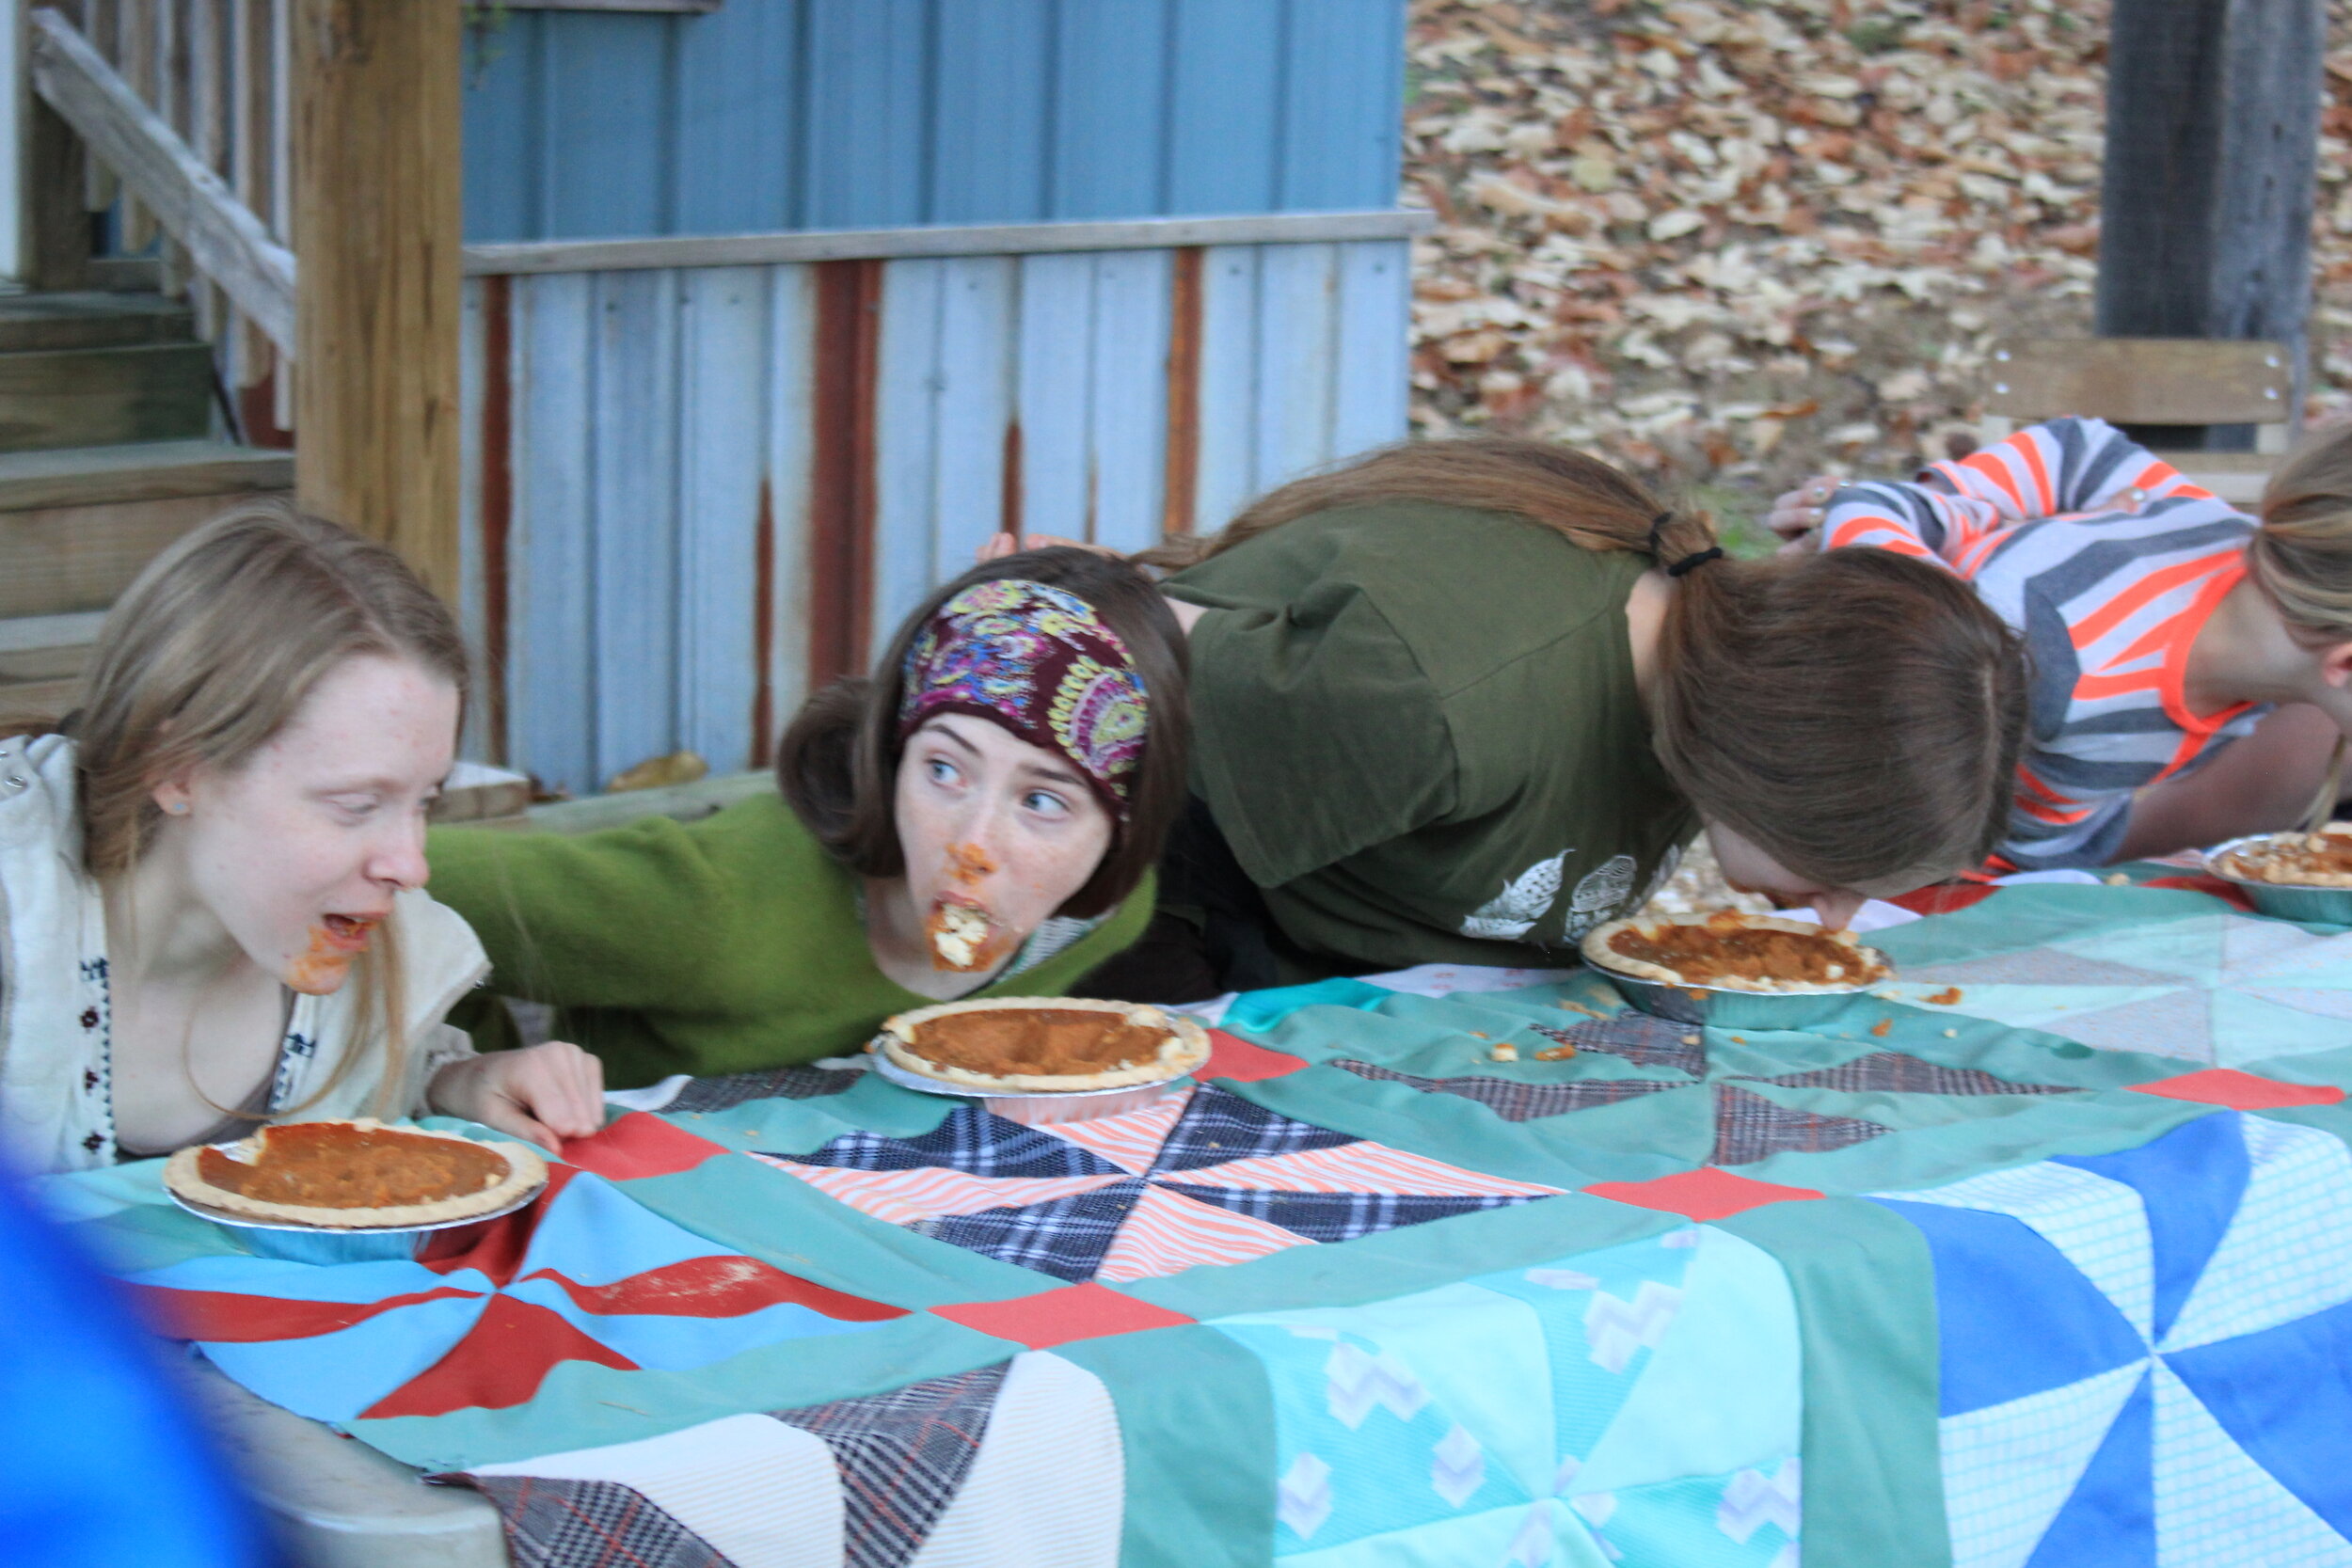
x=1464 y=701
x=2192 y=665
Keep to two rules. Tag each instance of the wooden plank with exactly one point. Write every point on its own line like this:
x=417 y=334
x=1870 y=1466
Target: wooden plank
x=1110 y=110
x=52 y=662
x=377 y=224
x=1372 y=359
x=33 y=322
x=906 y=445
x=632 y=514
x=2209 y=178
x=1297 y=332
x=2142 y=381
x=786 y=597
x=1128 y=416
x=226 y=241
x=990 y=115
x=971 y=490
x=1054 y=388
x=24 y=633
x=726 y=250
x=142 y=470
x=54 y=225
x=722 y=411
x=91 y=397
x=62 y=560
x=1228 y=467
x=551 y=718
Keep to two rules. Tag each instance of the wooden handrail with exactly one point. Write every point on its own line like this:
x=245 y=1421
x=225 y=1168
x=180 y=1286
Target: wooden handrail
x=223 y=239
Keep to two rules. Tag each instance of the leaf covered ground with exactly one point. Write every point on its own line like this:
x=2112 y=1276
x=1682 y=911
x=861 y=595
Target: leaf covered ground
x=1731 y=243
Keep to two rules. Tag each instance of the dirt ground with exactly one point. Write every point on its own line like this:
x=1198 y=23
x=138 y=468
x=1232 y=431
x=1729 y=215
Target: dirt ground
x=1732 y=242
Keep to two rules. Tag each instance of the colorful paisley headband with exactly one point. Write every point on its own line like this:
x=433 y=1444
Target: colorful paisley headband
x=1039 y=661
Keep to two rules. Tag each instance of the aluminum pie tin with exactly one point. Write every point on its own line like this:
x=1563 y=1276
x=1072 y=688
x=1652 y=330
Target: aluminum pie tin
x=2309 y=906
x=1716 y=1008
x=1044 y=1109
x=296 y=1242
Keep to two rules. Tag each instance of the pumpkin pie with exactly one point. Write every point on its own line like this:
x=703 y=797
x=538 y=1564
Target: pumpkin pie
x=1044 y=1045
x=347 y=1175
x=2323 y=859
x=1725 y=950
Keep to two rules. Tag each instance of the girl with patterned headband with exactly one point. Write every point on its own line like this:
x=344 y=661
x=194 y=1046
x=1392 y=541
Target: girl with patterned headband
x=981 y=817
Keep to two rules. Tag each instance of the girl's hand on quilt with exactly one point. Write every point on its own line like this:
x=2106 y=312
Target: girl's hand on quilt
x=1002 y=544
x=547 y=1093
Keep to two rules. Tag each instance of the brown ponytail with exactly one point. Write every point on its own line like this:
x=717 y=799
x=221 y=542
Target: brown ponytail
x=1856 y=714
x=2301 y=556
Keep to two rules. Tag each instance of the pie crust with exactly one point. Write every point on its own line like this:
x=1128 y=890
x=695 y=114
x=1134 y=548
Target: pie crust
x=2323 y=859
x=1044 y=1044
x=1756 y=952
x=353 y=1174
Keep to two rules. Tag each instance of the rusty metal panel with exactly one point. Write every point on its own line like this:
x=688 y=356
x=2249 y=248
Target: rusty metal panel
x=691 y=492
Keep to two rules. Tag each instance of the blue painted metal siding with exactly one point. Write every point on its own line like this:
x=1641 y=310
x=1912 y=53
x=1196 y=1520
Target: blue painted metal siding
x=659 y=424
x=772 y=115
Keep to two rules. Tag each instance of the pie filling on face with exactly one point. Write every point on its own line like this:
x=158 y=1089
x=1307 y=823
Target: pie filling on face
x=2323 y=859
x=346 y=1174
x=960 y=937
x=1042 y=1045
x=1730 y=951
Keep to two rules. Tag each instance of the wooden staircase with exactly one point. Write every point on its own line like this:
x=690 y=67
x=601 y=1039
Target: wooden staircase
x=107 y=454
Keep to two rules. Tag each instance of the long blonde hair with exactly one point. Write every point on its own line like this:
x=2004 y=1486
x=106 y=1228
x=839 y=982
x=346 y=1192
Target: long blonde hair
x=210 y=652
x=1856 y=714
x=2301 y=555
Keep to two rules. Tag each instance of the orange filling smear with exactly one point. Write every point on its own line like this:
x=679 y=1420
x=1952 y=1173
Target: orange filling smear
x=2296 y=856
x=1946 y=998
x=327 y=1164
x=321 y=968
x=1726 y=947
x=968 y=864
x=1045 y=1040
x=947 y=927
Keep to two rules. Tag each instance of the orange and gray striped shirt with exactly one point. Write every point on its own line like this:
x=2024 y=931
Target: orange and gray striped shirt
x=2110 y=563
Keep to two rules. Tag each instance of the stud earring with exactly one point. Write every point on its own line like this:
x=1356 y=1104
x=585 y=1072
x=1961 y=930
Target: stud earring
x=177 y=808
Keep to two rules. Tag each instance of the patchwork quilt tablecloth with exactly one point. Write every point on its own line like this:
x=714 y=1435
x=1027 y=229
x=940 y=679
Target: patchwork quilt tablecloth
x=1944 y=1280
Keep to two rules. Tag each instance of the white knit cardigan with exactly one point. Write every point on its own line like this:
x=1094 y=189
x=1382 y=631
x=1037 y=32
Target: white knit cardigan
x=56 y=1099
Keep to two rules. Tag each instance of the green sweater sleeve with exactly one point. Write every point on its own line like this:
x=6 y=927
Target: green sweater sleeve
x=619 y=918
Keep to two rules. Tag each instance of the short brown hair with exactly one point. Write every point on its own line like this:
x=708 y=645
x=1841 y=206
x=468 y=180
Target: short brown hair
x=2301 y=555
x=838 y=764
x=1857 y=715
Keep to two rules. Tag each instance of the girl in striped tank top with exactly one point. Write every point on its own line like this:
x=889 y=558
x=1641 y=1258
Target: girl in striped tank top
x=2190 y=664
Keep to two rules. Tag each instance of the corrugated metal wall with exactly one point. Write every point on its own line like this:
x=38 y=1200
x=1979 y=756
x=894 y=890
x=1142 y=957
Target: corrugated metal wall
x=772 y=115
x=691 y=491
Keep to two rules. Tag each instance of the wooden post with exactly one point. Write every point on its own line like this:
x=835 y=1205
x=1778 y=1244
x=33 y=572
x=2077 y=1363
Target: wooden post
x=2205 y=209
x=376 y=239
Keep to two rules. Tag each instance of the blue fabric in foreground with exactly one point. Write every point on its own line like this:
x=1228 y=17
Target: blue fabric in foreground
x=2189 y=1182
x=2017 y=1317
x=2109 y=1519
x=2280 y=1395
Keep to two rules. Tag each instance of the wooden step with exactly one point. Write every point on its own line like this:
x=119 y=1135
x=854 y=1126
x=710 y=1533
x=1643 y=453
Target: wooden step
x=34 y=322
x=103 y=396
x=41 y=683
x=63 y=559
x=140 y=471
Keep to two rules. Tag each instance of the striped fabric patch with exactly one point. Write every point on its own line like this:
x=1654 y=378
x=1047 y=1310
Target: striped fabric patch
x=1360 y=1167
x=790 y=1083
x=910 y=1197
x=902 y=1456
x=1749 y=1128
x=1513 y=1100
x=566 y=1524
x=1891 y=1071
x=1167 y=1233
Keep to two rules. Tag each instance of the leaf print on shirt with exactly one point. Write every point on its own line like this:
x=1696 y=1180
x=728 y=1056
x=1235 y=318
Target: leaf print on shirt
x=1526 y=898
x=1598 y=895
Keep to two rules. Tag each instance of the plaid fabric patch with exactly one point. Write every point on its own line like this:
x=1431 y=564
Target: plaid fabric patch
x=971 y=1140
x=1893 y=1071
x=1339 y=1216
x=590 y=1524
x=739 y=1088
x=1749 y=1126
x=902 y=1456
x=1513 y=1100
x=1638 y=1039
x=1219 y=1126
x=1066 y=1238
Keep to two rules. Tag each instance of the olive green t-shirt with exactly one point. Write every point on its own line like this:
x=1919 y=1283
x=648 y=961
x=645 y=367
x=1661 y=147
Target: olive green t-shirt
x=730 y=945
x=1417 y=726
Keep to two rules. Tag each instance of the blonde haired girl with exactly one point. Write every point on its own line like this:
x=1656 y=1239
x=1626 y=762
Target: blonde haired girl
x=2192 y=665
x=210 y=876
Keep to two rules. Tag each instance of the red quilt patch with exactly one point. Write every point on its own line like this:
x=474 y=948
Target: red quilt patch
x=2239 y=1091
x=1704 y=1194
x=1087 y=1311
x=638 y=1146
x=498 y=1365
x=1237 y=1060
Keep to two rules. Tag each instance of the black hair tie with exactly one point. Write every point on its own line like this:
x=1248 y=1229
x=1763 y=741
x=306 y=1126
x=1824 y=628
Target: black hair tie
x=1689 y=563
